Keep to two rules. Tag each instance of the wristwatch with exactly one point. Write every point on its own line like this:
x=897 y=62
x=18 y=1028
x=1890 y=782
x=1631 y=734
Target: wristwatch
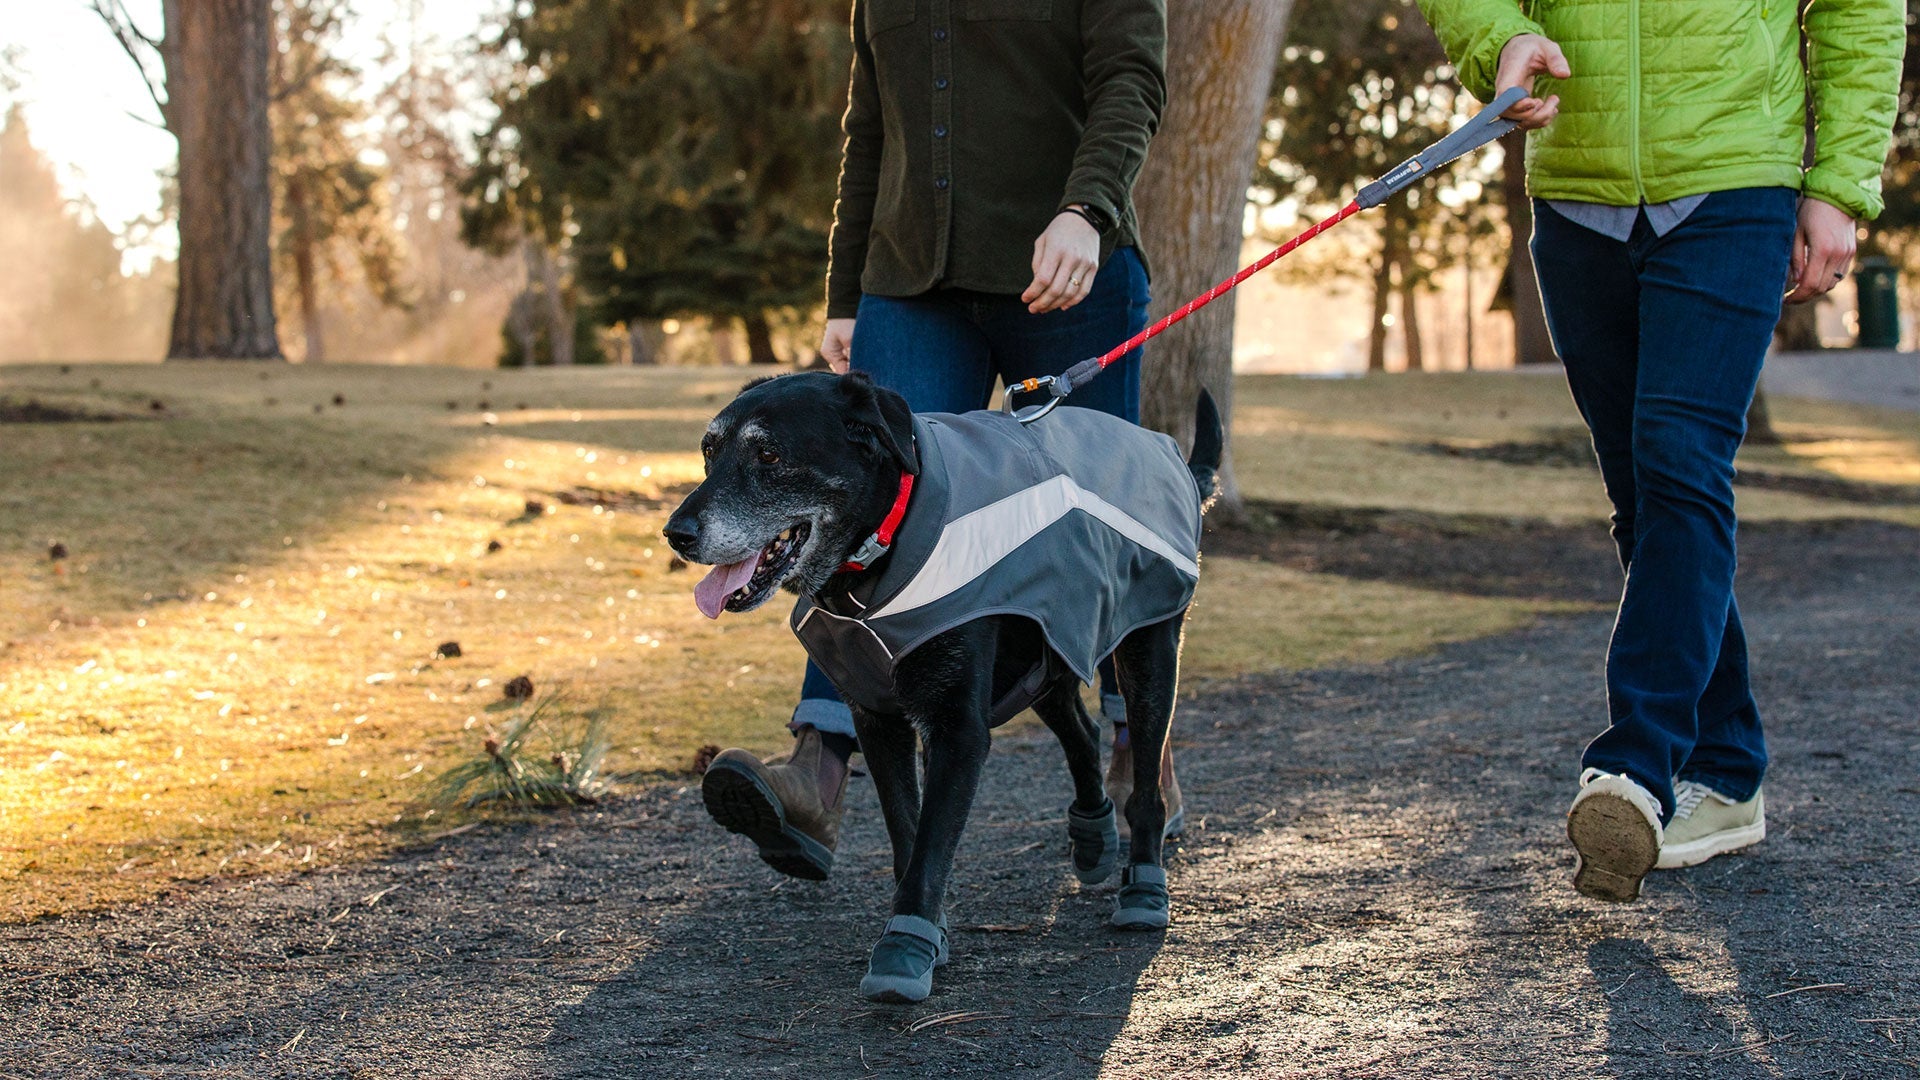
x=1101 y=221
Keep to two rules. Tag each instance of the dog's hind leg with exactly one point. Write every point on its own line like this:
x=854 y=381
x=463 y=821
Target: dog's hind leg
x=1091 y=826
x=1147 y=662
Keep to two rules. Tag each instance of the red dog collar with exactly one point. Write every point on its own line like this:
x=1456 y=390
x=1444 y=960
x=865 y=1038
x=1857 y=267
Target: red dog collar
x=882 y=538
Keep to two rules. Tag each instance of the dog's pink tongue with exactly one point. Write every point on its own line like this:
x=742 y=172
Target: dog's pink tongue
x=721 y=582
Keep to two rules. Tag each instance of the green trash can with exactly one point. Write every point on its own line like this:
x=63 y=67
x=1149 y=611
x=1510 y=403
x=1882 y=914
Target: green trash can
x=1879 y=284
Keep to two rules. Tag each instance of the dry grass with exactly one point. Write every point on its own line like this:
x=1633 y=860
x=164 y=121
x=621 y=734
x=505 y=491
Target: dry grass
x=234 y=668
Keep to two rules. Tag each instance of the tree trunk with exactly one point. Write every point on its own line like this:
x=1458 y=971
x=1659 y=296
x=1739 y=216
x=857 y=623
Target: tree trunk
x=759 y=339
x=1532 y=344
x=1760 y=430
x=217 y=90
x=644 y=338
x=559 y=318
x=1192 y=197
x=1799 y=327
x=300 y=235
x=1410 y=321
x=1382 y=296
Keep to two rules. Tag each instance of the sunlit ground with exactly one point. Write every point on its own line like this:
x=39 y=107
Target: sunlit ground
x=233 y=669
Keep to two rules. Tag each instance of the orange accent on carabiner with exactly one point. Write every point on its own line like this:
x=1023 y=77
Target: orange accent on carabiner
x=1030 y=385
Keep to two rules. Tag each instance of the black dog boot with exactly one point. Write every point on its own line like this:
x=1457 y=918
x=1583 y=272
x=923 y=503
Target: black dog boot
x=1096 y=843
x=1143 y=899
x=900 y=971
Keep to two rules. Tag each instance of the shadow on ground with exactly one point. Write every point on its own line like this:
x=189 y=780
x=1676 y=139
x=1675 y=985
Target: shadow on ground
x=1374 y=885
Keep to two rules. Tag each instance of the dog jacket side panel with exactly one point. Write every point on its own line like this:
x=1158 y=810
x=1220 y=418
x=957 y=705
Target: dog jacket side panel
x=1084 y=523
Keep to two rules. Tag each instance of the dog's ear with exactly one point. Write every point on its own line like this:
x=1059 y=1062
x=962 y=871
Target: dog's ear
x=880 y=416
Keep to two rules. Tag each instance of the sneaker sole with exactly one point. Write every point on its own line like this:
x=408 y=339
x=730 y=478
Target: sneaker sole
x=1617 y=848
x=742 y=804
x=1698 y=851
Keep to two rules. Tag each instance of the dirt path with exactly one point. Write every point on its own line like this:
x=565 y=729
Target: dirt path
x=1375 y=885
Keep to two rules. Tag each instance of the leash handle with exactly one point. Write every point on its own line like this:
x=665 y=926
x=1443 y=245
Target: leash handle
x=1484 y=127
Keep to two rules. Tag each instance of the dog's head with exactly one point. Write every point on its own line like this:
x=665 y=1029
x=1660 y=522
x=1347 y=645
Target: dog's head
x=800 y=468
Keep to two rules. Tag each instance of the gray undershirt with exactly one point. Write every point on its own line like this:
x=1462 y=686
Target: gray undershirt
x=1617 y=221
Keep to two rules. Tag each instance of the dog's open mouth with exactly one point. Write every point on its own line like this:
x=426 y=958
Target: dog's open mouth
x=745 y=585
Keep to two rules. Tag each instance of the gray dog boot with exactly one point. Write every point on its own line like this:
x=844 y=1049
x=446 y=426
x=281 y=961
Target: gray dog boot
x=1096 y=843
x=1142 y=902
x=900 y=970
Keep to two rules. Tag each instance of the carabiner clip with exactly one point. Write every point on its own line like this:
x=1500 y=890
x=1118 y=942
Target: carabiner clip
x=1031 y=413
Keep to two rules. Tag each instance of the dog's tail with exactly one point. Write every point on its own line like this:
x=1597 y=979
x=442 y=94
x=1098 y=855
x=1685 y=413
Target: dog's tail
x=1209 y=444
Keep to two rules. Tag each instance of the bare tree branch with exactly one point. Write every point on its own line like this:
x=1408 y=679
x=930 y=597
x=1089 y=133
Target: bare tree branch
x=139 y=47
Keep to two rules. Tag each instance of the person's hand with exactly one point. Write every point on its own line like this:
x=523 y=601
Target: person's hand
x=1822 y=248
x=1522 y=58
x=1064 y=260
x=836 y=344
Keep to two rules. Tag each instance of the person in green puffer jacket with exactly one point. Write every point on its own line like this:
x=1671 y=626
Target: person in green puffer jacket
x=1672 y=216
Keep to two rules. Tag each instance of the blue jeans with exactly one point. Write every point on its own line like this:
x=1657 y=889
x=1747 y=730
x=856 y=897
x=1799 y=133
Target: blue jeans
x=942 y=351
x=1663 y=338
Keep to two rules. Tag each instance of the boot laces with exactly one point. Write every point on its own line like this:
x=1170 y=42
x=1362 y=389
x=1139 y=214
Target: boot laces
x=1687 y=797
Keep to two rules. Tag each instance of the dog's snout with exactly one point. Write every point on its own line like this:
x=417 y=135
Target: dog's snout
x=683 y=534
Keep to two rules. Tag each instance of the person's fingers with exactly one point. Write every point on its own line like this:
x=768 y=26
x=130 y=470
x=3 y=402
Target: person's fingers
x=1079 y=281
x=1554 y=62
x=1046 y=264
x=1059 y=286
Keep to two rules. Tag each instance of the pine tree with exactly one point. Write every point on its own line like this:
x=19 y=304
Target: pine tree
x=66 y=297
x=333 y=224
x=683 y=155
x=1362 y=86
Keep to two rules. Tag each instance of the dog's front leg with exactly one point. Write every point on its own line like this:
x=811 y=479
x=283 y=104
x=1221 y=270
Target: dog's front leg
x=887 y=744
x=950 y=708
x=1148 y=665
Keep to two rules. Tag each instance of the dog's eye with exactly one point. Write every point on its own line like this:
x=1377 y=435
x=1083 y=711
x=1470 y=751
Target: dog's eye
x=768 y=457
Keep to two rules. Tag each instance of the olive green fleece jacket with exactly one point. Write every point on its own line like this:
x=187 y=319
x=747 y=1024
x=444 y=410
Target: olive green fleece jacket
x=1671 y=98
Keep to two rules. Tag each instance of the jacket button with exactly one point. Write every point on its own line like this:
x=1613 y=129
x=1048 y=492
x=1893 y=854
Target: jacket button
x=940 y=35
x=939 y=84
x=940 y=131
x=941 y=183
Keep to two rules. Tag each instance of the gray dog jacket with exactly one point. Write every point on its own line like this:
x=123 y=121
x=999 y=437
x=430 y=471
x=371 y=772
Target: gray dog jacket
x=1082 y=522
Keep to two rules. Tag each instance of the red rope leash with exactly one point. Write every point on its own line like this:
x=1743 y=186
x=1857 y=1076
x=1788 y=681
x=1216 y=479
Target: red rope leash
x=1226 y=286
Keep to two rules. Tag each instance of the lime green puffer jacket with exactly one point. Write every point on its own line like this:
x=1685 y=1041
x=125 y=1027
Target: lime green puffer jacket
x=1675 y=97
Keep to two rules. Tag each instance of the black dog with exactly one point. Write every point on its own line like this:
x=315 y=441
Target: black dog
x=1023 y=555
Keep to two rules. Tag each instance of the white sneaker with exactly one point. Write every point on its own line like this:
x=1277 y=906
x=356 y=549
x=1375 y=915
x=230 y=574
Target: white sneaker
x=1706 y=823
x=1614 y=824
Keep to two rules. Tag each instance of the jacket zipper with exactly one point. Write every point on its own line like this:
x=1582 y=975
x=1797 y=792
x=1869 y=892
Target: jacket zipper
x=1633 y=98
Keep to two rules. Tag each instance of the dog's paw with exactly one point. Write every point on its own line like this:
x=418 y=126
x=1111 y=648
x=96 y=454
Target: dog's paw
x=900 y=971
x=1143 y=903
x=1096 y=843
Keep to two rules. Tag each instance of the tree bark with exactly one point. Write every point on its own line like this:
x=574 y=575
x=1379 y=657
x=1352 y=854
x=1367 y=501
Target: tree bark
x=1799 y=327
x=1192 y=197
x=644 y=338
x=300 y=230
x=217 y=94
x=1382 y=297
x=1532 y=344
x=759 y=339
x=1410 y=321
x=559 y=315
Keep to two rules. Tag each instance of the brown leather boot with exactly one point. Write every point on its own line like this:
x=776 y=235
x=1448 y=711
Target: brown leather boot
x=779 y=805
x=1120 y=788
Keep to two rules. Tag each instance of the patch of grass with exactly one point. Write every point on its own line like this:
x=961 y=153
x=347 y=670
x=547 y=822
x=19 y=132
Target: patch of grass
x=235 y=668
x=547 y=756
x=1250 y=617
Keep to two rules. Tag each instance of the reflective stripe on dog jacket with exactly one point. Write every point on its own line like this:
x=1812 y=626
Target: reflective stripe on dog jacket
x=1082 y=522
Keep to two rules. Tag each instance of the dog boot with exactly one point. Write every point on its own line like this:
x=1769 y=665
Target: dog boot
x=1120 y=788
x=779 y=805
x=1096 y=843
x=900 y=970
x=1143 y=899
